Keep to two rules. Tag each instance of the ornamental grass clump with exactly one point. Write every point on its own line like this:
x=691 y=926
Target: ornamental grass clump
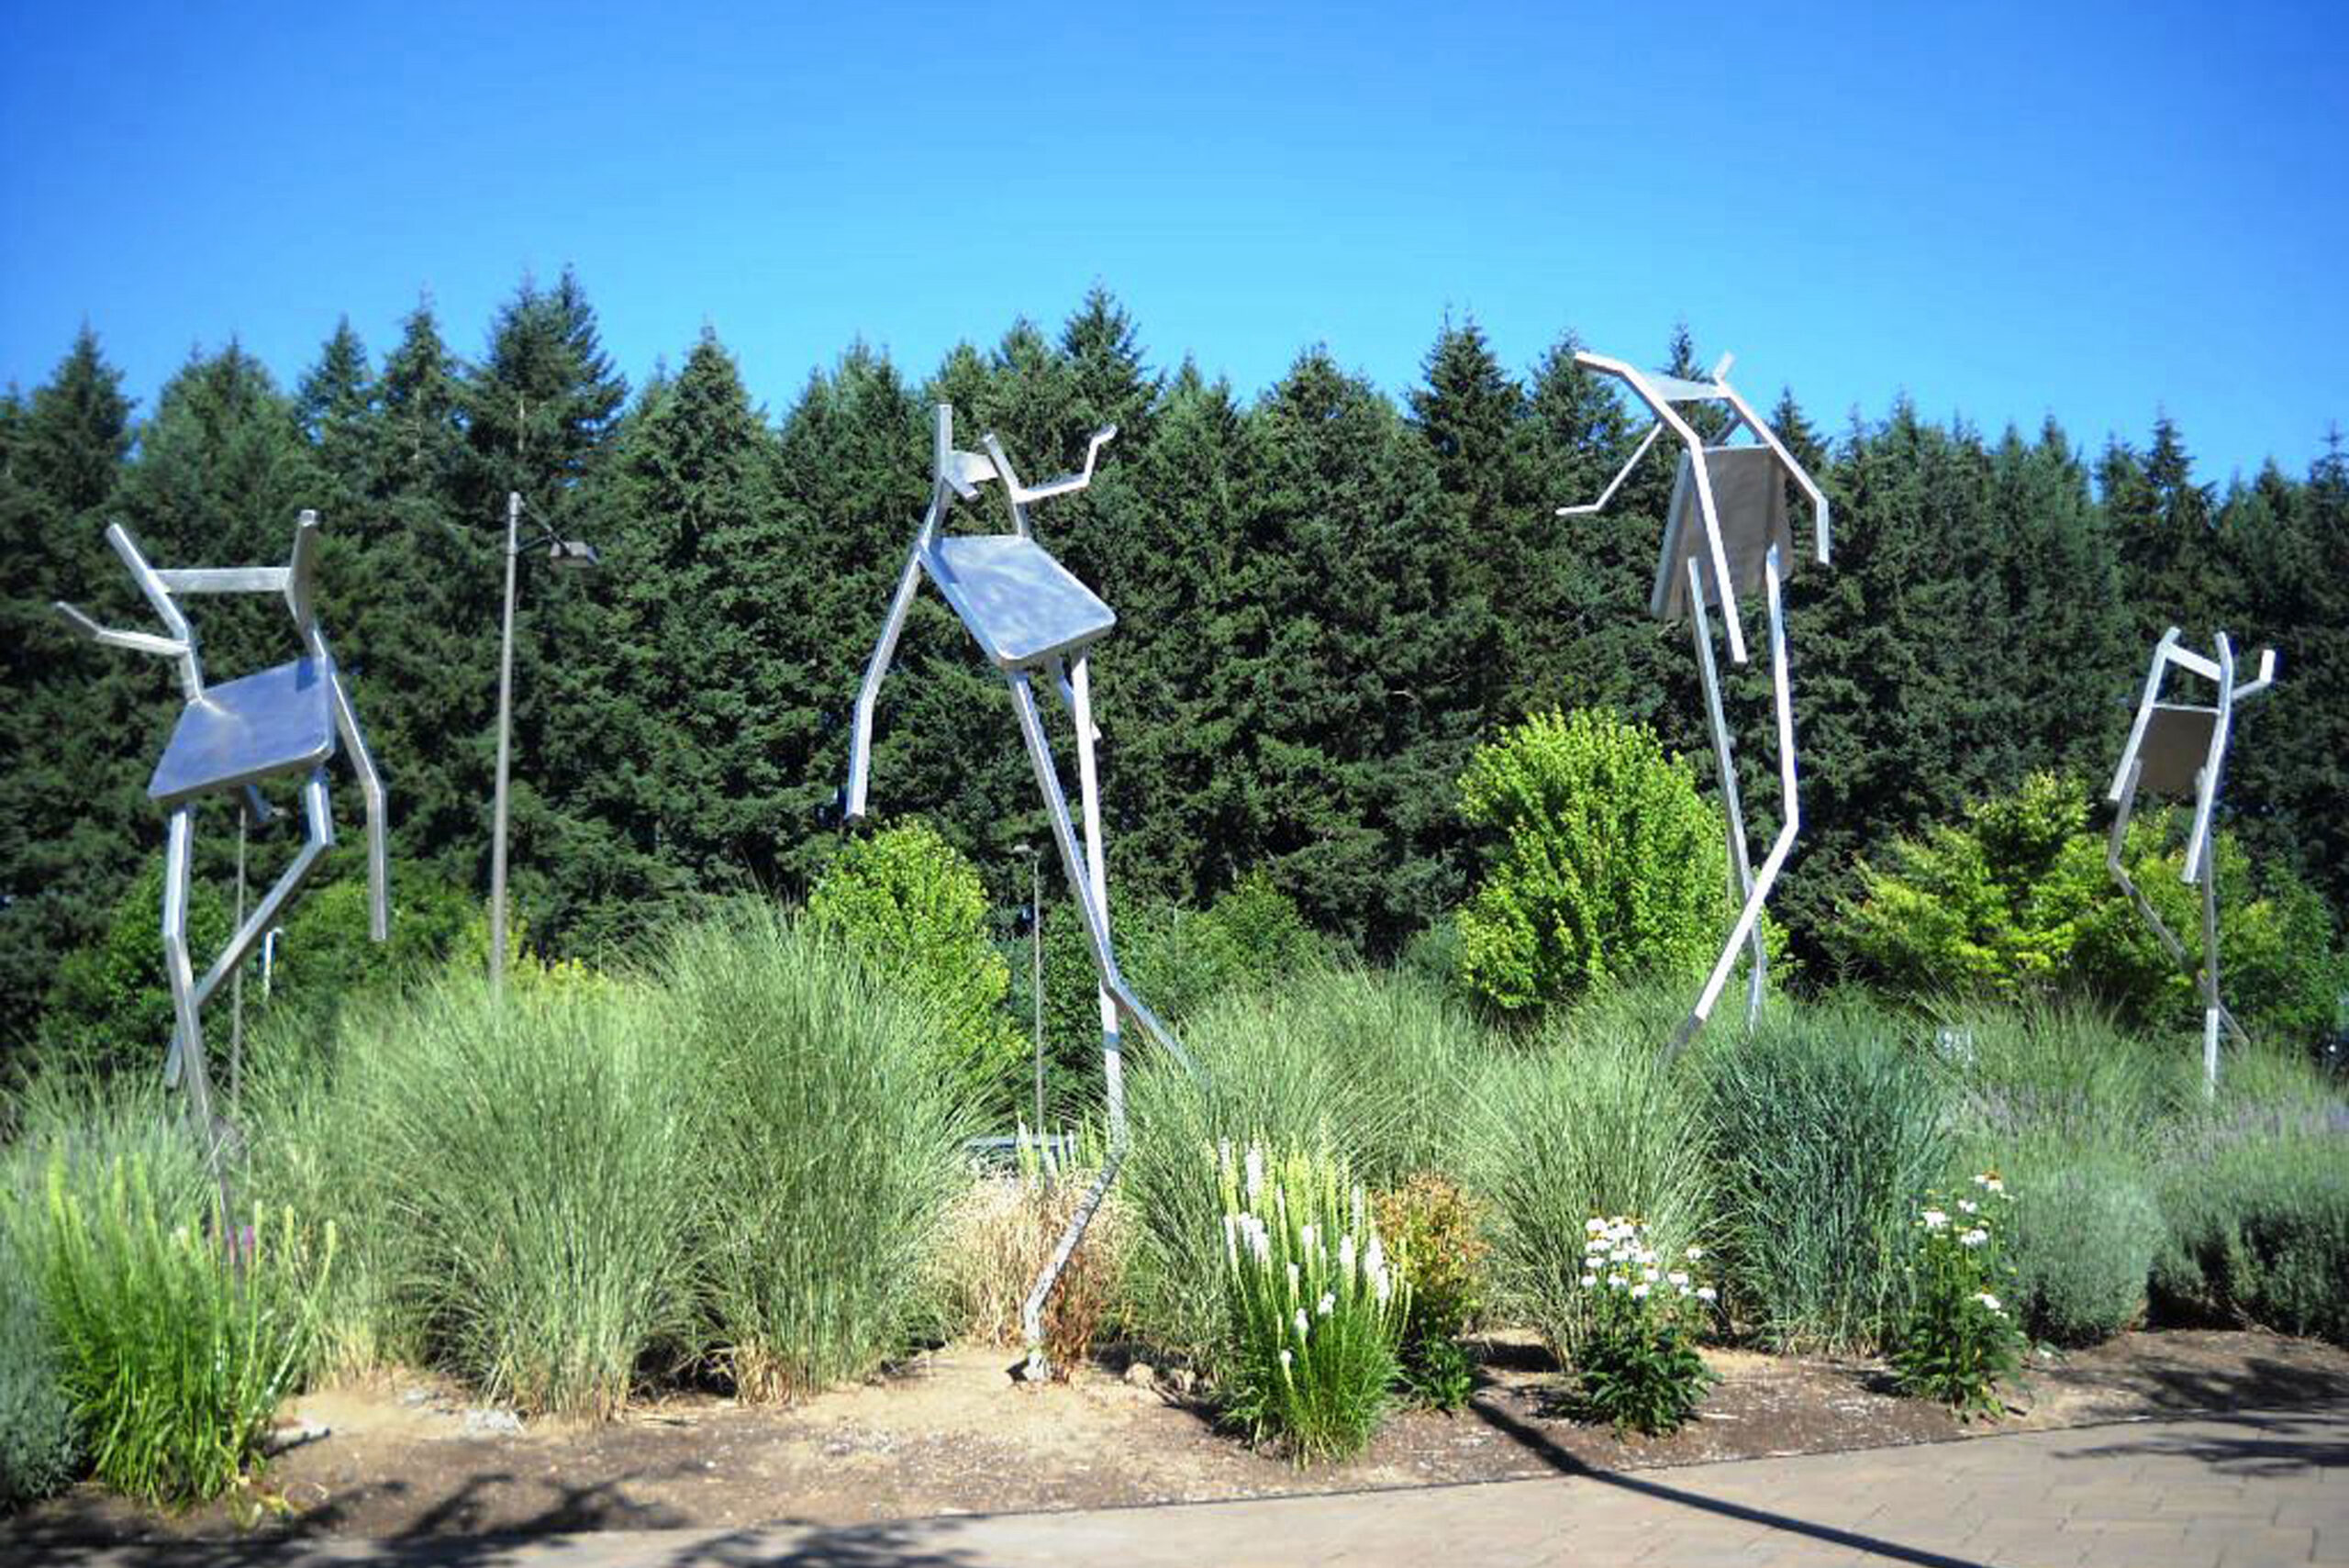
x=176 y=1337
x=1960 y=1337
x=1636 y=1367
x=1315 y=1312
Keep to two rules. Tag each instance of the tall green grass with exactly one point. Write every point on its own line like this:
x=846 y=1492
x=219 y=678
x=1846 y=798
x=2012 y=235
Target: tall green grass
x=1826 y=1129
x=538 y=1183
x=825 y=1150
x=1368 y=1066
x=1588 y=1123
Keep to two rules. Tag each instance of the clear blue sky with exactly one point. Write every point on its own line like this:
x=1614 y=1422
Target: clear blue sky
x=2095 y=211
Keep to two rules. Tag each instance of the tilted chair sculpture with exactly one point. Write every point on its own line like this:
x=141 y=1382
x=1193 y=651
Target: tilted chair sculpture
x=1030 y=616
x=230 y=738
x=2180 y=749
x=1726 y=534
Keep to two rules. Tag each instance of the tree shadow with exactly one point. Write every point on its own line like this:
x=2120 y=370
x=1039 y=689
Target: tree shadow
x=2275 y=1443
x=1539 y=1443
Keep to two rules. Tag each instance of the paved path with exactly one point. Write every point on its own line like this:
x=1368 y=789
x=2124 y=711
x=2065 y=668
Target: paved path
x=2211 y=1492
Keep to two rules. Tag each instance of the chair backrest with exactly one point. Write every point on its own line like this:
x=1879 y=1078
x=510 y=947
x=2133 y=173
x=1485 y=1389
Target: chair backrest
x=1749 y=486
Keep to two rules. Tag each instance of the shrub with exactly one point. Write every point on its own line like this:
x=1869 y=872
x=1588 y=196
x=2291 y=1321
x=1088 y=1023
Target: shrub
x=40 y=1444
x=1609 y=864
x=1364 y=1065
x=2259 y=1232
x=178 y=1329
x=1315 y=1312
x=1825 y=1133
x=1637 y=1367
x=327 y=957
x=2017 y=903
x=2085 y=1226
x=1590 y=1122
x=1959 y=1336
x=913 y=907
x=109 y=1009
x=1439 y=1255
x=537 y=1182
x=826 y=1149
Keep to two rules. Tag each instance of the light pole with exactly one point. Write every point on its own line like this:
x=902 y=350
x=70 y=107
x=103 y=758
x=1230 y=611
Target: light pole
x=570 y=554
x=1036 y=946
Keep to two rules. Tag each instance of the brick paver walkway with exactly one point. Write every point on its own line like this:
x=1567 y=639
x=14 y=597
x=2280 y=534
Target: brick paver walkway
x=2267 y=1489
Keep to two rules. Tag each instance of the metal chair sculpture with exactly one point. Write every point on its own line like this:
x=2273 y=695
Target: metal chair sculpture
x=230 y=738
x=2180 y=749
x=1029 y=615
x=1726 y=534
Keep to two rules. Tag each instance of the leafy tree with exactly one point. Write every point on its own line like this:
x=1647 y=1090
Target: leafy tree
x=913 y=907
x=1606 y=865
x=109 y=1009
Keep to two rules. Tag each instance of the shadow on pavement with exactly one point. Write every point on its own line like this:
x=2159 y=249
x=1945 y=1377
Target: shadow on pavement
x=2272 y=1445
x=1537 y=1442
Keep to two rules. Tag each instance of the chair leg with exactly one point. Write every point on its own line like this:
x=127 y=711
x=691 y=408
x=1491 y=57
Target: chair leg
x=1790 y=821
x=187 y=1044
x=1080 y=695
x=1741 y=868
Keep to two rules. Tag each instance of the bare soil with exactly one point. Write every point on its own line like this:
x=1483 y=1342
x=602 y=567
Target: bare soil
x=953 y=1432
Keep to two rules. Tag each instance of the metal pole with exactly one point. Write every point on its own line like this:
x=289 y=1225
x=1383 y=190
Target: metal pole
x=505 y=749
x=1036 y=942
x=236 y=976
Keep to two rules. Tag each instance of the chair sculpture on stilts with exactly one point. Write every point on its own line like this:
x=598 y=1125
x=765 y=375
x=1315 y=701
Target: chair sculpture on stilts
x=1030 y=616
x=1726 y=534
x=2180 y=749
x=232 y=738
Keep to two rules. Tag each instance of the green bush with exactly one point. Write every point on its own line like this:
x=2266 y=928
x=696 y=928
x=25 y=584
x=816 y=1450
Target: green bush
x=1362 y=1064
x=1609 y=865
x=826 y=1150
x=1315 y=1313
x=1958 y=1339
x=1590 y=1122
x=912 y=906
x=1825 y=1134
x=40 y=1447
x=109 y=1009
x=176 y=1328
x=538 y=1179
x=2259 y=1232
x=2085 y=1228
x=327 y=957
x=2018 y=903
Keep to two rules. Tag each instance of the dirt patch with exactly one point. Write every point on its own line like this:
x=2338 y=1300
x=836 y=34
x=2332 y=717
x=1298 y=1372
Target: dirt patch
x=953 y=1433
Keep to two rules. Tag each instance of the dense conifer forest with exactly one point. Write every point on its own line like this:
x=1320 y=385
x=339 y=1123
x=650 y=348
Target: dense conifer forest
x=1328 y=596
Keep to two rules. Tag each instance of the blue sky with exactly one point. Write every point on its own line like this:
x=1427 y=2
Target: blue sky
x=2097 y=211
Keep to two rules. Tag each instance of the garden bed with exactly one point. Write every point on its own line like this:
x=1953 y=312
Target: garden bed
x=952 y=1433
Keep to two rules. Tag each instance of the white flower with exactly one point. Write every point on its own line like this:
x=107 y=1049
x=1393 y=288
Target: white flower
x=1616 y=1282
x=1373 y=1260
x=1677 y=1277
x=1309 y=1238
x=1695 y=1253
x=1296 y=1285
x=1594 y=1227
x=1935 y=1220
x=1303 y=1327
x=1381 y=1284
x=1639 y=1293
x=1650 y=1275
x=1973 y=1238
x=1997 y=1185
x=1260 y=1240
x=1285 y=1360
x=1255 y=1171
x=1986 y=1299
x=1346 y=1255
x=1588 y=1281
x=1594 y=1246
x=1706 y=1293
x=1967 y=1206
x=1329 y=1303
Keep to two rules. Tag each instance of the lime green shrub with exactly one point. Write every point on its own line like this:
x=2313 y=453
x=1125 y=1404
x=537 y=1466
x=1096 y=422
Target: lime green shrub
x=1608 y=863
x=1439 y=1251
x=911 y=905
x=2017 y=903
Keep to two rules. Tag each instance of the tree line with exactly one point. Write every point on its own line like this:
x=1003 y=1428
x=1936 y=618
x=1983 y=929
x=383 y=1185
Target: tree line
x=1326 y=595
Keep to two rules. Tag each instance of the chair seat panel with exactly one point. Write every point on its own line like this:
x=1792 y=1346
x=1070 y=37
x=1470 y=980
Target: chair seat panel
x=1749 y=488
x=258 y=726
x=1021 y=606
x=2176 y=747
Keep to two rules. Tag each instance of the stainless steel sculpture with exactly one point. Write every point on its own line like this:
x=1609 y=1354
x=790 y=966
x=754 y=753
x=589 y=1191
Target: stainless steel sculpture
x=1029 y=615
x=1726 y=533
x=2180 y=749
x=230 y=738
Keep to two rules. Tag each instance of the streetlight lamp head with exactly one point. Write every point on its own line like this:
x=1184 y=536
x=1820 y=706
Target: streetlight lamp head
x=572 y=554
